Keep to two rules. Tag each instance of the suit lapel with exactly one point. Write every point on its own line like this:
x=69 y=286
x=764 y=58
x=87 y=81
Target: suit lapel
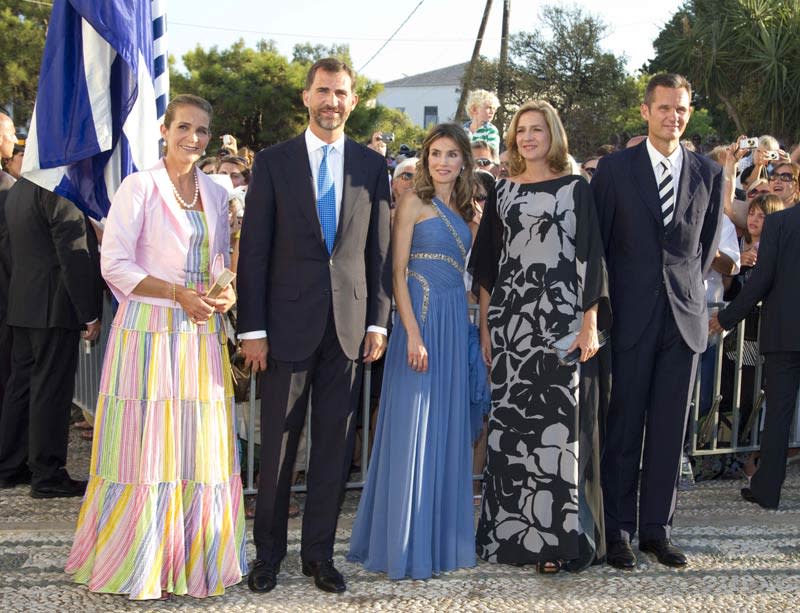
x=354 y=170
x=689 y=180
x=645 y=182
x=299 y=177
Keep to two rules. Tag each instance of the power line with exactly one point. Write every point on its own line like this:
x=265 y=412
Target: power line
x=388 y=40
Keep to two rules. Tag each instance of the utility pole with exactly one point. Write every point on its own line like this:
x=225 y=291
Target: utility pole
x=476 y=52
x=502 y=77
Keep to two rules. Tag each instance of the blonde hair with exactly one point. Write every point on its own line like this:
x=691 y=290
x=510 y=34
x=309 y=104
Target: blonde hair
x=478 y=97
x=557 y=155
x=465 y=182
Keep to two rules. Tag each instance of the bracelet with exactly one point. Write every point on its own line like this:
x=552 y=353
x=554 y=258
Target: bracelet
x=173 y=292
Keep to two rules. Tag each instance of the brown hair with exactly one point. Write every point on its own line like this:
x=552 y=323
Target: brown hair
x=423 y=183
x=239 y=162
x=184 y=100
x=666 y=79
x=559 y=147
x=767 y=204
x=330 y=64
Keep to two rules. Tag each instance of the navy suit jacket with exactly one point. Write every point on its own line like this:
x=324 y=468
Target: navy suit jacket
x=775 y=281
x=286 y=278
x=644 y=258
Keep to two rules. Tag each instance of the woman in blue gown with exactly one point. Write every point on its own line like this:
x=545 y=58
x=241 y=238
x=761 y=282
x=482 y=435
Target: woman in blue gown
x=415 y=515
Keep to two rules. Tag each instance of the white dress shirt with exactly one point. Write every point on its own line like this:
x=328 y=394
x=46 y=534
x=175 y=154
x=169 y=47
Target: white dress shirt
x=729 y=245
x=675 y=161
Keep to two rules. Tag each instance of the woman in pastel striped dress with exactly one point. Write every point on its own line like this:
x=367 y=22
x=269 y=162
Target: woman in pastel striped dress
x=163 y=509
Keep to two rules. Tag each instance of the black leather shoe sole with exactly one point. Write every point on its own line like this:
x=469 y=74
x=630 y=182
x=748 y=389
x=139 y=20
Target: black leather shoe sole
x=15 y=480
x=326 y=582
x=262 y=578
x=675 y=558
x=621 y=556
x=748 y=495
x=66 y=491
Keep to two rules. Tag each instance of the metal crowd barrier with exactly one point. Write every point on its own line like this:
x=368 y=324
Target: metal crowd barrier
x=715 y=433
x=719 y=433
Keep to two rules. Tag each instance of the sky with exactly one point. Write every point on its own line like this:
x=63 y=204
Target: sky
x=439 y=33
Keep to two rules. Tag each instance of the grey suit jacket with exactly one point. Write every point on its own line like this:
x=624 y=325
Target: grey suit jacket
x=287 y=282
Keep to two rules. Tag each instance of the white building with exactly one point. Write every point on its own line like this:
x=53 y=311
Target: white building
x=427 y=98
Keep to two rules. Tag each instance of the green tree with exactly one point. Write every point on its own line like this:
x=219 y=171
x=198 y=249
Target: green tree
x=563 y=63
x=256 y=93
x=23 y=26
x=742 y=58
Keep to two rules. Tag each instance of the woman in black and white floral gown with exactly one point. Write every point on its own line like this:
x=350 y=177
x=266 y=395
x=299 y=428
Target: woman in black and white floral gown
x=538 y=262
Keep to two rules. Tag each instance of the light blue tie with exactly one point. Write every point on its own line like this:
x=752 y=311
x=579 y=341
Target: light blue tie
x=326 y=201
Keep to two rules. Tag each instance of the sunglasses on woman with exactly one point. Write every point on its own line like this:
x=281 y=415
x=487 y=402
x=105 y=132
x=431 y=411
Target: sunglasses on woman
x=783 y=177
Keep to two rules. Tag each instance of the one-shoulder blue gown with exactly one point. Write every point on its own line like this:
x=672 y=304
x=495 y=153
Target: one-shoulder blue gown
x=415 y=517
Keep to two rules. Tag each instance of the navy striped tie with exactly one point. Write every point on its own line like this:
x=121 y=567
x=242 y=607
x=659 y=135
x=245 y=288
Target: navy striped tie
x=666 y=191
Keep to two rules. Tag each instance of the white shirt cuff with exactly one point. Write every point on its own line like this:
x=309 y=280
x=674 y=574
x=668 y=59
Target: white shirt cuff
x=378 y=329
x=248 y=336
x=94 y=321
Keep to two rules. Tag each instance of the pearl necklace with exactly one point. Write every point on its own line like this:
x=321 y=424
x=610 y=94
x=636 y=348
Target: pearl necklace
x=177 y=194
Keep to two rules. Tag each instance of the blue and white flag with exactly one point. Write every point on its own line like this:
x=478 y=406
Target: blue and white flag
x=102 y=89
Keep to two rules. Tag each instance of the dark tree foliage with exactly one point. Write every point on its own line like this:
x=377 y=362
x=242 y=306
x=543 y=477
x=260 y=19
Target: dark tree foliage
x=743 y=59
x=23 y=26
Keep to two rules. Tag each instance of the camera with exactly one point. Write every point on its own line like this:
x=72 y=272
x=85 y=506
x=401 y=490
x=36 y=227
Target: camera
x=748 y=143
x=387 y=137
x=228 y=140
x=770 y=155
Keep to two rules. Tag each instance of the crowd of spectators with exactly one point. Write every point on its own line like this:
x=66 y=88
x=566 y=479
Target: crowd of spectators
x=760 y=177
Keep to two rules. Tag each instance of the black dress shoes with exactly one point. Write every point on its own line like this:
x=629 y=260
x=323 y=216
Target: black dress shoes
x=263 y=577
x=66 y=487
x=620 y=555
x=665 y=552
x=326 y=577
x=22 y=477
x=748 y=495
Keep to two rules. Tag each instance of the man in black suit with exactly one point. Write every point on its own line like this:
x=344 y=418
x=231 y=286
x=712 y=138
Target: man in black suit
x=660 y=209
x=315 y=280
x=8 y=138
x=54 y=292
x=775 y=281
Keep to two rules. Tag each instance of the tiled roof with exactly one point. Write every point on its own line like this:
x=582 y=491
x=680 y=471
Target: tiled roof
x=451 y=75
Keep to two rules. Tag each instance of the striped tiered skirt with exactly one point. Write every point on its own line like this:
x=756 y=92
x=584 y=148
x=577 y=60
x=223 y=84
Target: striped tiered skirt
x=163 y=509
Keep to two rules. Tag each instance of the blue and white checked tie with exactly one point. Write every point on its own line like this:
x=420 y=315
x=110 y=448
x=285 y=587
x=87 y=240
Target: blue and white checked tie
x=326 y=201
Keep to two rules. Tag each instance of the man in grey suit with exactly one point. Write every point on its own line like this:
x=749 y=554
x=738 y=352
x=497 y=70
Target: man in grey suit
x=775 y=281
x=314 y=303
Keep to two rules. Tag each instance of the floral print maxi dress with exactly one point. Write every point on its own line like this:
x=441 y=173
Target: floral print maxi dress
x=539 y=253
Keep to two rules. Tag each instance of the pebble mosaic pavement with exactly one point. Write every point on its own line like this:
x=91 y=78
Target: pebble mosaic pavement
x=742 y=558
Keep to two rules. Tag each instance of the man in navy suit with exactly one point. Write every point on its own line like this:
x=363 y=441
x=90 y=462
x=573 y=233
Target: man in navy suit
x=314 y=303
x=660 y=209
x=774 y=280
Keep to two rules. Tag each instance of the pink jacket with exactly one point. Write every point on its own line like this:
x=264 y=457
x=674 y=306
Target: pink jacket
x=147 y=233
